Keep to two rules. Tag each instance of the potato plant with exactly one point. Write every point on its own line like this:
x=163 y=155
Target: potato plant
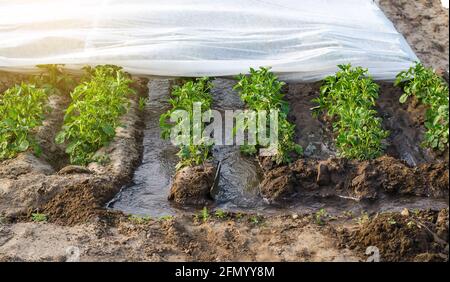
x=54 y=79
x=261 y=90
x=183 y=98
x=348 y=98
x=94 y=114
x=22 y=109
x=431 y=90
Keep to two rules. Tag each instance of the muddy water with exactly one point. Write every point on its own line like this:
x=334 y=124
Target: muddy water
x=147 y=194
x=237 y=188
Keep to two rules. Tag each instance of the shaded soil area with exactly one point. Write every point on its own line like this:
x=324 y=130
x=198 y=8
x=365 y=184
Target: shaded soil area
x=355 y=180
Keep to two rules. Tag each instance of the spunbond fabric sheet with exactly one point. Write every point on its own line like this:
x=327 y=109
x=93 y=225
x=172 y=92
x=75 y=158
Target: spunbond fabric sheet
x=302 y=40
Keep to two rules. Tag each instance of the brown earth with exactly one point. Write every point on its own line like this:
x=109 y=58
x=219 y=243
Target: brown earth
x=355 y=179
x=419 y=236
x=192 y=185
x=236 y=237
x=424 y=23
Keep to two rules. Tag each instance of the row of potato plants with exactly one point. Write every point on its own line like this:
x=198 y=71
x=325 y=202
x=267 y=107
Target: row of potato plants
x=261 y=90
x=431 y=90
x=91 y=119
x=349 y=98
x=183 y=98
x=23 y=108
x=99 y=99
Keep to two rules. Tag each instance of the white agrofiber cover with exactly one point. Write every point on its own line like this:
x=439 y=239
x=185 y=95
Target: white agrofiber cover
x=302 y=40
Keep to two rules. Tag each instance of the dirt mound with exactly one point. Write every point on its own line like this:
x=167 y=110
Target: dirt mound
x=403 y=237
x=80 y=203
x=358 y=180
x=192 y=185
x=277 y=184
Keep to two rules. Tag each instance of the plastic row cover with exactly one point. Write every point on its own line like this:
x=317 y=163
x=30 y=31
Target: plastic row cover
x=302 y=40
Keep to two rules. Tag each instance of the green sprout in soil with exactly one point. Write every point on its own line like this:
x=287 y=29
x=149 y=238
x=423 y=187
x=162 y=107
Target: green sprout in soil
x=239 y=216
x=349 y=98
x=38 y=217
x=348 y=214
x=166 y=218
x=136 y=219
x=142 y=102
x=411 y=224
x=363 y=218
x=203 y=215
x=320 y=216
x=392 y=221
x=431 y=90
x=256 y=219
x=220 y=214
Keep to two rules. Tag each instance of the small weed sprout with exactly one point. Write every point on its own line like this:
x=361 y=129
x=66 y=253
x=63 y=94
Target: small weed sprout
x=392 y=221
x=39 y=217
x=411 y=224
x=255 y=219
x=363 y=219
x=239 y=216
x=220 y=214
x=142 y=102
x=166 y=218
x=203 y=215
x=136 y=219
x=320 y=216
x=348 y=214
